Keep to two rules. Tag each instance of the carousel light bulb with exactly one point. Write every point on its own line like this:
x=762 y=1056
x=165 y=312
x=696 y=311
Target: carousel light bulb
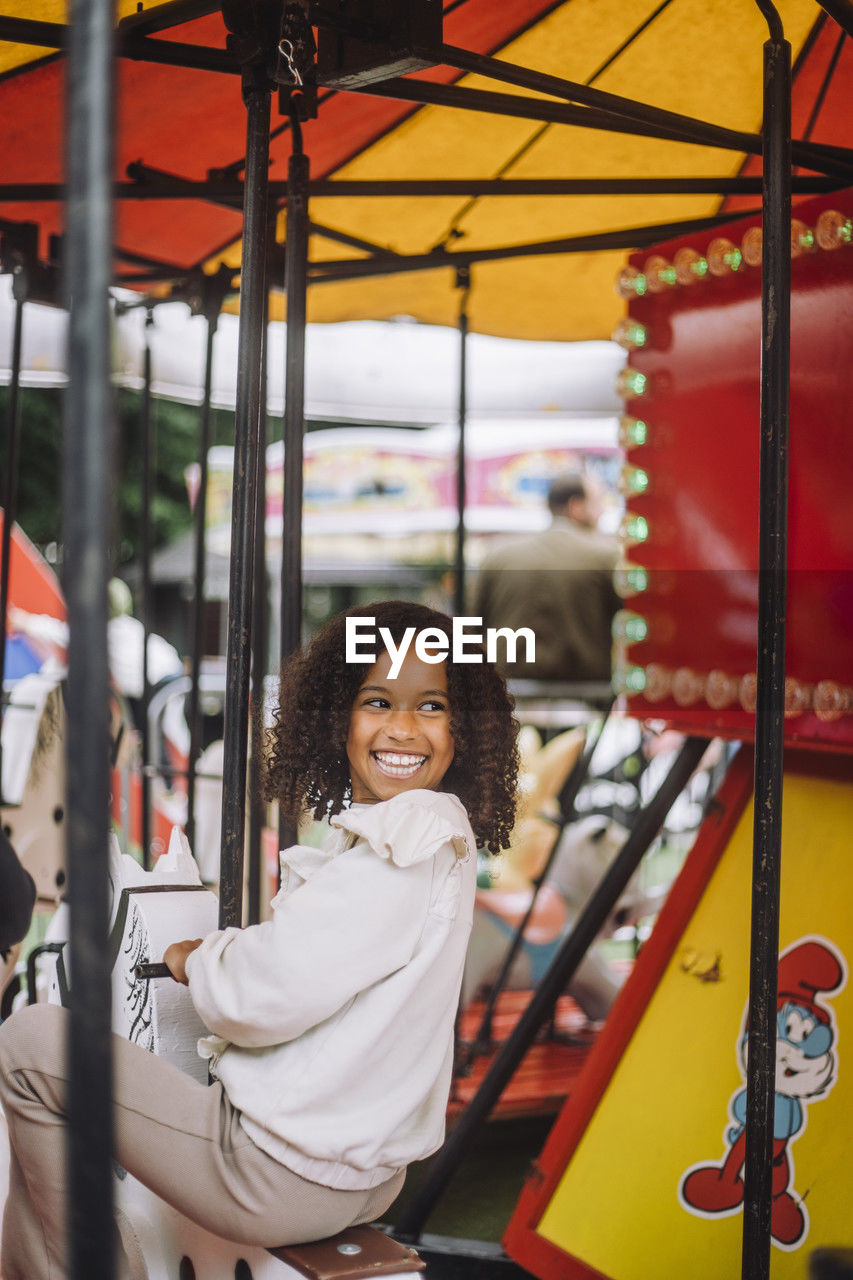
x=833 y=229
x=658 y=682
x=724 y=258
x=688 y=686
x=747 y=692
x=633 y=529
x=832 y=701
x=630 y=383
x=630 y=283
x=802 y=239
x=632 y=432
x=630 y=334
x=689 y=265
x=630 y=580
x=751 y=246
x=629 y=627
x=660 y=274
x=721 y=690
x=798 y=696
x=633 y=480
x=629 y=680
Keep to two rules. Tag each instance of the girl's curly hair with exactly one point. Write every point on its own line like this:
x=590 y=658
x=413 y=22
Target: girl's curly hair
x=307 y=764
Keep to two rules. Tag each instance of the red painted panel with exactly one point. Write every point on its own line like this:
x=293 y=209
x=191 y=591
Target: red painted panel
x=701 y=406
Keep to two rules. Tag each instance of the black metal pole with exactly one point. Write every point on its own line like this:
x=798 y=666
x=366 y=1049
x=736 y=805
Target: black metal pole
x=88 y=484
x=296 y=283
x=769 y=718
x=147 y=450
x=463 y=281
x=10 y=496
x=559 y=972
x=256 y=93
x=199 y=565
x=260 y=656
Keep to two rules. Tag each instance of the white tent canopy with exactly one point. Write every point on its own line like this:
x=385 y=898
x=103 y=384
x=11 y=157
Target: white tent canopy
x=394 y=372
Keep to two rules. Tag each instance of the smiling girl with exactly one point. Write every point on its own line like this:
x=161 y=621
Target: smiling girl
x=331 y=1043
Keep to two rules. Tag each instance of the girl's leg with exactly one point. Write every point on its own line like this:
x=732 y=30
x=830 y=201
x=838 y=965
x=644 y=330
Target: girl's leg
x=182 y=1139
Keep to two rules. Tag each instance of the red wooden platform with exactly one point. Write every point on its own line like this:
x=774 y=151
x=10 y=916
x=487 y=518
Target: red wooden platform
x=549 y=1068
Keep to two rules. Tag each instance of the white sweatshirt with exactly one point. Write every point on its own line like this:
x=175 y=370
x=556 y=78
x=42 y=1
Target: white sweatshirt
x=334 y=1020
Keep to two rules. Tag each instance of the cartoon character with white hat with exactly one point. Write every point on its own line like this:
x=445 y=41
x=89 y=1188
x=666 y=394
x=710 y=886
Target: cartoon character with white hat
x=806 y=1069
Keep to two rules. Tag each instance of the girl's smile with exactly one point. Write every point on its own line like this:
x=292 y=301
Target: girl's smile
x=399 y=731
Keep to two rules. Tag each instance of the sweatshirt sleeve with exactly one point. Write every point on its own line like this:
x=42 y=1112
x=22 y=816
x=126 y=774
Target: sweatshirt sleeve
x=353 y=923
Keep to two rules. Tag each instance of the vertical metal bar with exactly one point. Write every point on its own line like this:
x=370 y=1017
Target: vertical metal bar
x=88 y=484
x=296 y=284
x=256 y=93
x=463 y=281
x=260 y=647
x=769 y=720
x=147 y=449
x=10 y=497
x=561 y=969
x=199 y=565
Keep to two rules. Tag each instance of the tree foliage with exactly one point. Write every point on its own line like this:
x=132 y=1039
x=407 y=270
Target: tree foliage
x=39 y=480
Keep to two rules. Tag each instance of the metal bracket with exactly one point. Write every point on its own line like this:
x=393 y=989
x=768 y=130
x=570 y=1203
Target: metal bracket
x=392 y=39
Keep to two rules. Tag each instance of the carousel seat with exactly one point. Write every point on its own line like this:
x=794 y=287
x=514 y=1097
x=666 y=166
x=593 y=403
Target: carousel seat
x=358 y=1253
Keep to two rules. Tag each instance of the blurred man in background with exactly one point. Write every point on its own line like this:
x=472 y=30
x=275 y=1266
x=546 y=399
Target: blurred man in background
x=559 y=583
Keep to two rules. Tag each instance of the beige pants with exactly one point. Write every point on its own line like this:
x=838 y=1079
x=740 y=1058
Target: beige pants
x=180 y=1138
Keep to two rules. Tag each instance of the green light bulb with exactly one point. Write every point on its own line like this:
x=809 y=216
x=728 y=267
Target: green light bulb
x=629 y=680
x=634 y=528
x=634 y=480
x=632 y=432
x=630 y=628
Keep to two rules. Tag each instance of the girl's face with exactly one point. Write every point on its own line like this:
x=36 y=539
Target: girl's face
x=399 y=730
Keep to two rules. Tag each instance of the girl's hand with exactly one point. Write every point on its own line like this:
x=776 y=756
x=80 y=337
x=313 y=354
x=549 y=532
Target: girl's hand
x=175 y=957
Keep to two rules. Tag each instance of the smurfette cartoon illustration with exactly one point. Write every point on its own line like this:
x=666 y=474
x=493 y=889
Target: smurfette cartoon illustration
x=806 y=1069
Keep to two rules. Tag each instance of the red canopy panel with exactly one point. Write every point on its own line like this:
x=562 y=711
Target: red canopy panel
x=188 y=121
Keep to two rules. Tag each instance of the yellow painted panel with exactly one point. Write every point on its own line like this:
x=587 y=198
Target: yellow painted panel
x=18 y=55
x=667 y=1105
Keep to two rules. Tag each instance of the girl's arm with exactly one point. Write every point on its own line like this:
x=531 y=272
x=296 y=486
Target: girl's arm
x=352 y=924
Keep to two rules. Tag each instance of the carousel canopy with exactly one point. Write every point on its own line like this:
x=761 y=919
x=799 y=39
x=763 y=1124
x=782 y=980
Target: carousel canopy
x=537 y=187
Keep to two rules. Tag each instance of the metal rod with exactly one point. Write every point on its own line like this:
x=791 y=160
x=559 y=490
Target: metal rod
x=58 y=35
x=687 y=128
x=88 y=481
x=164 y=16
x=769 y=719
x=10 y=499
x=256 y=92
x=230 y=192
x=518 y=107
x=572 y=950
x=629 y=238
x=260 y=649
x=296 y=282
x=199 y=568
x=148 y=450
x=464 y=282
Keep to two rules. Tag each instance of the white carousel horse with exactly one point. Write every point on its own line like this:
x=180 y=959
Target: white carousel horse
x=150 y=910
